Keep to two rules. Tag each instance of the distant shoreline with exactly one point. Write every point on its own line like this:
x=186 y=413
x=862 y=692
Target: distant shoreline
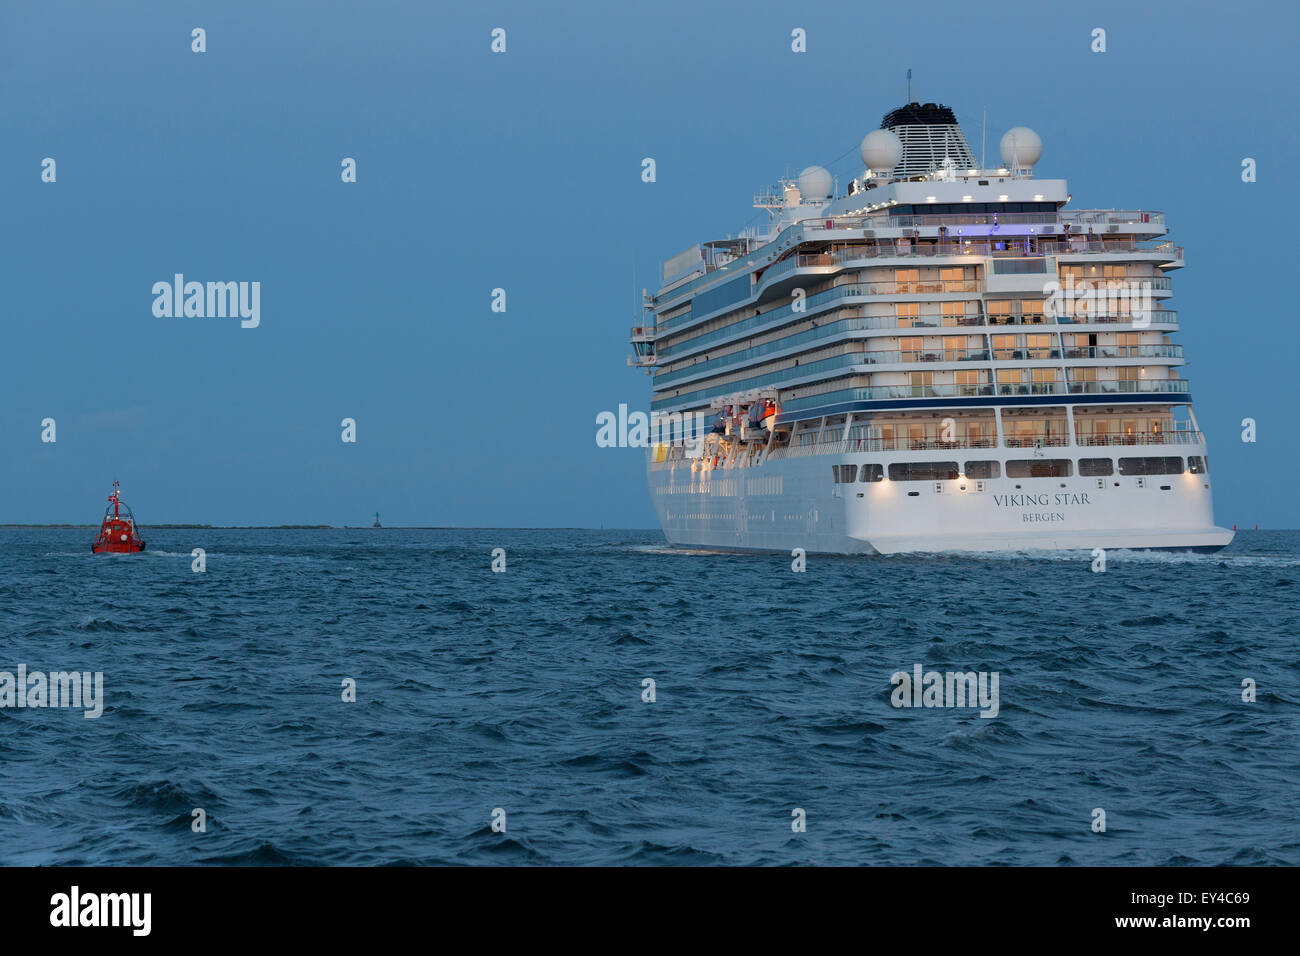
x=318 y=527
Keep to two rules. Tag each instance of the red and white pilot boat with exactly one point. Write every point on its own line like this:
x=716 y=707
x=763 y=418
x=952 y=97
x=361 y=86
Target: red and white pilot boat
x=119 y=533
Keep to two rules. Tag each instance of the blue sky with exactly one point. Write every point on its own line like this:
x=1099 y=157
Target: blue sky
x=522 y=171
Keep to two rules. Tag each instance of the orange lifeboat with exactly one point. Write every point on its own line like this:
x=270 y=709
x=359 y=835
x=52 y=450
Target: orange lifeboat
x=760 y=412
x=119 y=533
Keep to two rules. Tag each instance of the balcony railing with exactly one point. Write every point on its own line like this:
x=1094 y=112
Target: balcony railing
x=795 y=233
x=1096 y=246
x=1022 y=246
x=944 y=287
x=1178 y=437
x=1025 y=354
x=1038 y=441
x=1030 y=388
x=905 y=443
x=884 y=392
x=737 y=329
x=938 y=287
x=853 y=445
x=848 y=291
x=912 y=356
x=1153 y=317
x=1125 y=351
x=1081 y=218
x=936 y=321
x=942 y=355
x=954 y=245
x=838 y=446
x=1160 y=385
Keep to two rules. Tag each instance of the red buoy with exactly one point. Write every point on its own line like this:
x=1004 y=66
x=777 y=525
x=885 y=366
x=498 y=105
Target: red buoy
x=119 y=533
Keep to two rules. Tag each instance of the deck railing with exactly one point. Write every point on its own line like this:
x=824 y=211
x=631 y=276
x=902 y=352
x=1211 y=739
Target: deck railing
x=857 y=445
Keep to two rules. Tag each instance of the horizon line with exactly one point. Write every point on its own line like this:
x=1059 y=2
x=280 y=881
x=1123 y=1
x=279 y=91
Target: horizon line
x=333 y=527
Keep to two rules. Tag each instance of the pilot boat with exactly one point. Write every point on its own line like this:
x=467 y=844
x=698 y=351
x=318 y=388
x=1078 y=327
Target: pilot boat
x=119 y=533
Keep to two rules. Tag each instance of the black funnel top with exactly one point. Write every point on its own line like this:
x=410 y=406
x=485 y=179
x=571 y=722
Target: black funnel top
x=918 y=114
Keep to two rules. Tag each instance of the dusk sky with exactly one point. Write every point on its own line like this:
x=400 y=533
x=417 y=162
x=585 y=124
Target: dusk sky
x=522 y=171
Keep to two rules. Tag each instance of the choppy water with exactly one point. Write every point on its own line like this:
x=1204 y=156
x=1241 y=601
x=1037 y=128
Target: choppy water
x=522 y=691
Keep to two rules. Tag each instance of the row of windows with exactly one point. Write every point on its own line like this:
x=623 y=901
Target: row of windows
x=849 y=473
x=1019 y=468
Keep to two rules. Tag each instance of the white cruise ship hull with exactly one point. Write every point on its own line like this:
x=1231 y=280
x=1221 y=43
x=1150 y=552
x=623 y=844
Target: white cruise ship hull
x=789 y=503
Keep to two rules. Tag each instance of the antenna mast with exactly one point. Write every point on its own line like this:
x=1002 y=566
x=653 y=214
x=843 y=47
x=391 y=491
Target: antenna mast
x=909 y=84
x=983 y=133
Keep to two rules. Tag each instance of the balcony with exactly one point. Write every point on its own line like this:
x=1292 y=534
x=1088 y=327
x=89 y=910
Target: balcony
x=885 y=392
x=1030 y=388
x=1153 y=317
x=1078 y=220
x=1125 y=352
x=1011 y=246
x=1032 y=247
x=852 y=445
x=1038 y=441
x=1025 y=354
x=1157 y=385
x=903 y=443
x=942 y=355
x=966 y=287
x=1179 y=437
x=1169 y=254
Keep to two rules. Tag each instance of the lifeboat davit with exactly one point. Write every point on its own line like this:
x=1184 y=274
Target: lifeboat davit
x=119 y=533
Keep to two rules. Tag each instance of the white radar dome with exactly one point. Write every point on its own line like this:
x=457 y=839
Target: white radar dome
x=1020 y=147
x=814 y=184
x=881 y=150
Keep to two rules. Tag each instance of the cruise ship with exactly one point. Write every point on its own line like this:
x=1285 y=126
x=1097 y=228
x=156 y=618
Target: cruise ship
x=938 y=357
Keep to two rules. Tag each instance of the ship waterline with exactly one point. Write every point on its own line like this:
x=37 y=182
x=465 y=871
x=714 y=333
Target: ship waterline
x=943 y=358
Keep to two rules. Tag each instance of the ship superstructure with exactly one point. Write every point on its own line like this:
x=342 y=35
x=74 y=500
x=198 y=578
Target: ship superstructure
x=939 y=357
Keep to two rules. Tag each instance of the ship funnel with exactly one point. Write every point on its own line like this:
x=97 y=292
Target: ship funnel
x=931 y=139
